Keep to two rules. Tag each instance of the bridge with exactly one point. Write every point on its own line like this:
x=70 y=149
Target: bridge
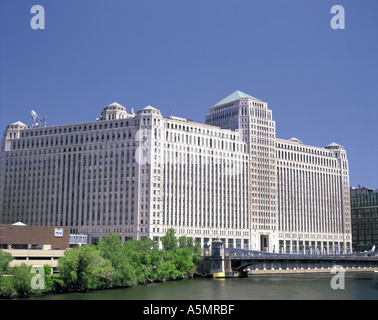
x=232 y=262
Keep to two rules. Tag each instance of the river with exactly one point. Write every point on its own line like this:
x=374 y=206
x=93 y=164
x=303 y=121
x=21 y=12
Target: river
x=317 y=286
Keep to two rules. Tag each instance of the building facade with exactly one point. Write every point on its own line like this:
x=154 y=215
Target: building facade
x=138 y=174
x=364 y=214
x=313 y=198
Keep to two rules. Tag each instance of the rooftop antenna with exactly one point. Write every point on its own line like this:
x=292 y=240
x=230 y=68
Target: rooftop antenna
x=39 y=121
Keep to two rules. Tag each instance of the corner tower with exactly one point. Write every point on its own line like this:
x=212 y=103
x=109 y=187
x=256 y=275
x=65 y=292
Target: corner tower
x=253 y=119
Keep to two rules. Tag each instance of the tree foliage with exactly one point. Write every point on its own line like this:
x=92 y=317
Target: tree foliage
x=5 y=259
x=84 y=268
x=169 y=241
x=21 y=279
x=110 y=263
x=18 y=282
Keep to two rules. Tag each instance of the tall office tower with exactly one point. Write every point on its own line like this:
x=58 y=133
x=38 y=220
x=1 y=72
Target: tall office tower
x=253 y=120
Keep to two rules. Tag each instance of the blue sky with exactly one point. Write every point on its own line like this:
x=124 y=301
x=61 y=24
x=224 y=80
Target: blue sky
x=184 y=56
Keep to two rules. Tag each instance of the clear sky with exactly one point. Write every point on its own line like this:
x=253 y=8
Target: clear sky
x=184 y=56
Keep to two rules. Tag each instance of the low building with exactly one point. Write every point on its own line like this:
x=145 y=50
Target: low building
x=21 y=236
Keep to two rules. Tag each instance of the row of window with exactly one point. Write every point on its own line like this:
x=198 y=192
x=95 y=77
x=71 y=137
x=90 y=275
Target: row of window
x=304 y=149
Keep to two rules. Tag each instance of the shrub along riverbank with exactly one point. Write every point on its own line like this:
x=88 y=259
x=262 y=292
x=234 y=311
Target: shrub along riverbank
x=109 y=264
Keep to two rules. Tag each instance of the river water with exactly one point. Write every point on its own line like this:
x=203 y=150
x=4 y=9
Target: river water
x=316 y=286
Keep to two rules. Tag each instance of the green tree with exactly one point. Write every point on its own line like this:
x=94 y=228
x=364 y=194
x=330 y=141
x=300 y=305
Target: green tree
x=181 y=255
x=112 y=249
x=184 y=261
x=53 y=283
x=7 y=289
x=84 y=268
x=110 y=246
x=169 y=241
x=21 y=279
x=194 y=247
x=185 y=242
x=160 y=269
x=139 y=253
x=171 y=264
x=5 y=259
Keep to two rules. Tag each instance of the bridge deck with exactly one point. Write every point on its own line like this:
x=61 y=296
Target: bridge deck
x=259 y=255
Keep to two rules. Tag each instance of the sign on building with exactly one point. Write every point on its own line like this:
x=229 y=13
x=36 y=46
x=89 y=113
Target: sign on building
x=58 y=232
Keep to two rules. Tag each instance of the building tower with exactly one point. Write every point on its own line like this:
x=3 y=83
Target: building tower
x=252 y=118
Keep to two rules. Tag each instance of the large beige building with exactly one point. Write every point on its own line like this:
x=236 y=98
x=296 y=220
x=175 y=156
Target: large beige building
x=138 y=174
